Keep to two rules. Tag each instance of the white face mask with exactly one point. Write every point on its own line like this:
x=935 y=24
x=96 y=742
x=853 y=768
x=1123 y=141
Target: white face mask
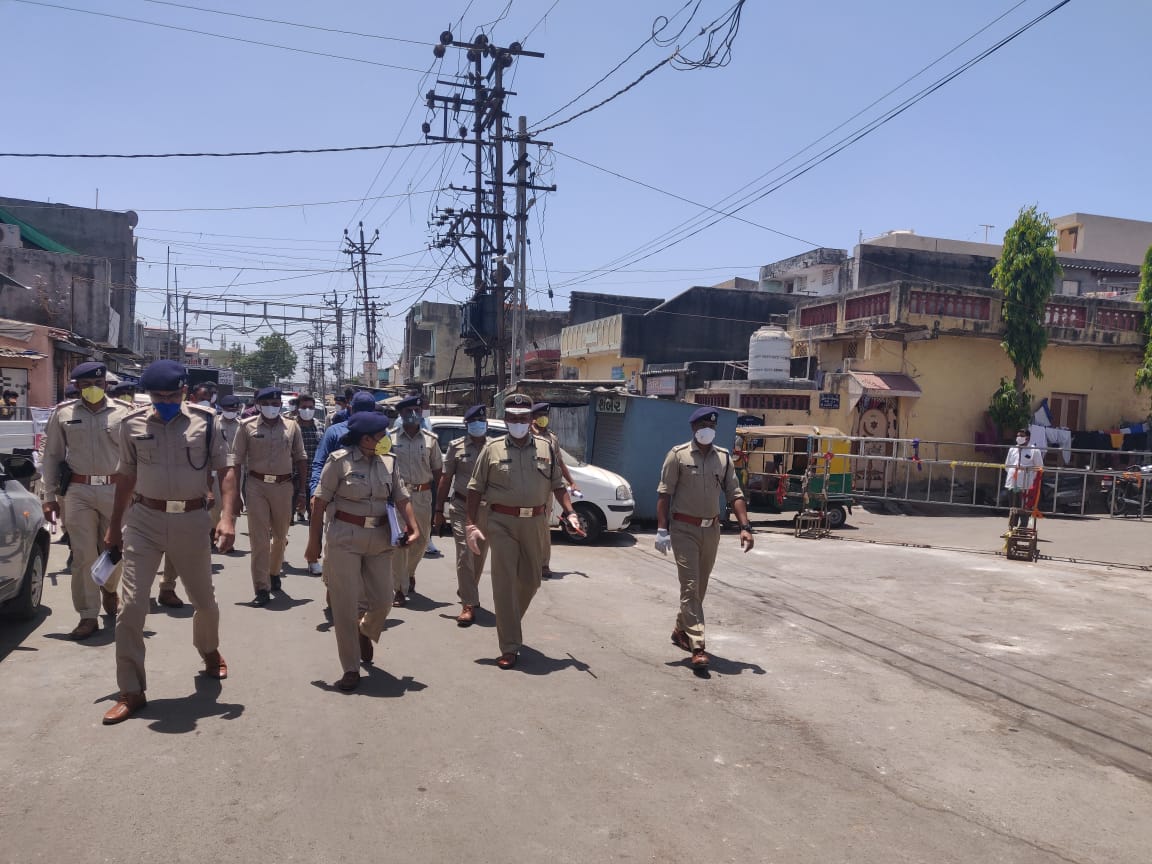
x=307 y=413
x=478 y=428
x=229 y=415
x=518 y=430
x=204 y=404
x=271 y=412
x=1021 y=440
x=705 y=435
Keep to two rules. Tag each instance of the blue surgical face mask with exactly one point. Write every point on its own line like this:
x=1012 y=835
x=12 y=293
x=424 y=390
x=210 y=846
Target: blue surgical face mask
x=166 y=410
x=411 y=420
x=478 y=428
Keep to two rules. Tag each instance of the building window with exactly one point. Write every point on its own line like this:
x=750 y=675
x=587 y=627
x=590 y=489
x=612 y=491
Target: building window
x=759 y=402
x=712 y=400
x=1068 y=239
x=1070 y=287
x=1067 y=410
x=829 y=276
x=851 y=349
x=800 y=284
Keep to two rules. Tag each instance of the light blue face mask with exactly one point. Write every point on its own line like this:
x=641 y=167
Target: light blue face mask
x=478 y=428
x=166 y=410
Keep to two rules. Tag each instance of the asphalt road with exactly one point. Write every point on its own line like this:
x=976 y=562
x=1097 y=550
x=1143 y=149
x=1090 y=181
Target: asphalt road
x=867 y=703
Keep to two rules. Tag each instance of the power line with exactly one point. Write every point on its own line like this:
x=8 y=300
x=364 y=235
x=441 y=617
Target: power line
x=218 y=35
x=221 y=155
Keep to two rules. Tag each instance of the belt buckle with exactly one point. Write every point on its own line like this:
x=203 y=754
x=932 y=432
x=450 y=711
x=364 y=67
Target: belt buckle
x=175 y=506
x=706 y=523
x=98 y=480
x=270 y=478
x=372 y=522
x=527 y=512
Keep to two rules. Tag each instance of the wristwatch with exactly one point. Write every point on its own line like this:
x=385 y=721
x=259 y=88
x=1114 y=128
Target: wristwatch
x=747 y=526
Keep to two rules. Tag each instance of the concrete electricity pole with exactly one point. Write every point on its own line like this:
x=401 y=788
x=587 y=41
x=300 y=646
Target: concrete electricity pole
x=364 y=250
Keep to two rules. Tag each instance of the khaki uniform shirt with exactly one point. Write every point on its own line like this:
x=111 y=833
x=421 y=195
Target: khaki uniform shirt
x=361 y=485
x=460 y=462
x=269 y=448
x=517 y=476
x=171 y=461
x=228 y=430
x=89 y=441
x=695 y=482
x=418 y=457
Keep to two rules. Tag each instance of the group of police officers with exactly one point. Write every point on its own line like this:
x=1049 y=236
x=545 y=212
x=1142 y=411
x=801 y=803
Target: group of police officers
x=164 y=480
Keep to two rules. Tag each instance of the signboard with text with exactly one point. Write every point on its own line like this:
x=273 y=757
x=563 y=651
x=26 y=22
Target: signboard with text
x=830 y=401
x=611 y=404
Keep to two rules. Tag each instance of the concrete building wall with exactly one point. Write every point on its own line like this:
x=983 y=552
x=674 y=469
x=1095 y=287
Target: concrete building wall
x=585 y=306
x=1104 y=238
x=72 y=292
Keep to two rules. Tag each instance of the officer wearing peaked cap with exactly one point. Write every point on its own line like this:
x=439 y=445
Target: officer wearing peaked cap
x=459 y=463
x=85 y=435
x=692 y=480
x=421 y=464
x=516 y=475
x=166 y=453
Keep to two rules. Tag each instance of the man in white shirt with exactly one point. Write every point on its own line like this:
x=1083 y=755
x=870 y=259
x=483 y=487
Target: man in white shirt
x=1022 y=466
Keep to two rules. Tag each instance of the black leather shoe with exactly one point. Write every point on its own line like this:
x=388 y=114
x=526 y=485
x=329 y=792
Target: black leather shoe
x=263 y=598
x=275 y=583
x=367 y=649
x=349 y=682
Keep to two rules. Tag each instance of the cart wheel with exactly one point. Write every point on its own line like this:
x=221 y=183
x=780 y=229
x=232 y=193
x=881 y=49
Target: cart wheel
x=837 y=517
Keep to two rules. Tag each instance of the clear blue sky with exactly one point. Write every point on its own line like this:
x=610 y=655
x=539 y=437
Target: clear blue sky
x=1058 y=118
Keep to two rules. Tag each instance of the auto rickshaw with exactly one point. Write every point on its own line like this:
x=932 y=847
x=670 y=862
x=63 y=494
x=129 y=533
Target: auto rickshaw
x=780 y=466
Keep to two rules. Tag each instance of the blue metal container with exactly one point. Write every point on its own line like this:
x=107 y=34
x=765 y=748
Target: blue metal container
x=631 y=435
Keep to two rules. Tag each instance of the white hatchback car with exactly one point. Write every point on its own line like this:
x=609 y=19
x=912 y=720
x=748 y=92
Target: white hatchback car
x=607 y=504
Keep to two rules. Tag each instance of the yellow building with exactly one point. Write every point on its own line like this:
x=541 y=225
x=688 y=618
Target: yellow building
x=591 y=351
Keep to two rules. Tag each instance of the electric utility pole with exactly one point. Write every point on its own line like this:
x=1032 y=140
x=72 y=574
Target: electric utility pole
x=364 y=250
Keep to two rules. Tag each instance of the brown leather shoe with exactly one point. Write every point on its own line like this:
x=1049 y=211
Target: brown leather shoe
x=367 y=649
x=215 y=666
x=699 y=659
x=168 y=597
x=466 y=617
x=84 y=629
x=349 y=682
x=111 y=602
x=507 y=661
x=399 y=599
x=680 y=640
x=127 y=705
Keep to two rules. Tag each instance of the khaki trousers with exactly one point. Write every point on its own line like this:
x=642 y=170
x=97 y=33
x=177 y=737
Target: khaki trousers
x=408 y=557
x=357 y=562
x=89 y=514
x=269 y=517
x=149 y=534
x=695 y=551
x=516 y=545
x=469 y=567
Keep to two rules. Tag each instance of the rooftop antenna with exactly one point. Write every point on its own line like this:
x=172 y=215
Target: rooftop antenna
x=986 y=228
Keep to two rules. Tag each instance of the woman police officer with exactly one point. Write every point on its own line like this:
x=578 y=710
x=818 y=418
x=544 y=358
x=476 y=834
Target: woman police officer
x=359 y=481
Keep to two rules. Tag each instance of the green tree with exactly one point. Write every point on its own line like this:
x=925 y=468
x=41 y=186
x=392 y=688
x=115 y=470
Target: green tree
x=1025 y=274
x=1144 y=373
x=272 y=360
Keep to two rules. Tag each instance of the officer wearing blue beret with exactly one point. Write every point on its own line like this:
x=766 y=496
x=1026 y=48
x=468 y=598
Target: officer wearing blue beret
x=692 y=480
x=421 y=463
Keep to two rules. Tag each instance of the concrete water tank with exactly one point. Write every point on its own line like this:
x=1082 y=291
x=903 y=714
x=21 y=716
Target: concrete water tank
x=770 y=354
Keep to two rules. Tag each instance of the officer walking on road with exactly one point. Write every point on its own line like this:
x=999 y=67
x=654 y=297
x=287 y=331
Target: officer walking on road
x=515 y=475
x=540 y=429
x=271 y=449
x=83 y=437
x=359 y=482
x=692 y=480
x=417 y=453
x=458 y=466
x=166 y=452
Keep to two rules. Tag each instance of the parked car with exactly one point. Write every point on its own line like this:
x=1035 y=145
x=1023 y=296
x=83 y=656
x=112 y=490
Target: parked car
x=23 y=540
x=607 y=504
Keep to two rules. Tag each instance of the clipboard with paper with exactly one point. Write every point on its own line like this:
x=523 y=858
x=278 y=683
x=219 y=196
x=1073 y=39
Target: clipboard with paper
x=399 y=534
x=105 y=566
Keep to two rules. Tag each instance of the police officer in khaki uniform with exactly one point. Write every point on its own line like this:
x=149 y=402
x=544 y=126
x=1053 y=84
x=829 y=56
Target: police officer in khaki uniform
x=692 y=480
x=515 y=475
x=166 y=454
x=359 y=482
x=458 y=465
x=540 y=429
x=418 y=453
x=85 y=434
x=270 y=448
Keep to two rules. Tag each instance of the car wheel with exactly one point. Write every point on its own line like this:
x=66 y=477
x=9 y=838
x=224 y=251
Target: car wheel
x=590 y=520
x=26 y=604
x=837 y=517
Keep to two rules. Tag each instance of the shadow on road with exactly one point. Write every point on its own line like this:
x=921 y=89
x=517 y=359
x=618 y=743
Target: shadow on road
x=481 y=618
x=532 y=662
x=179 y=716
x=377 y=683
x=419 y=603
x=280 y=602
x=13 y=633
x=719 y=665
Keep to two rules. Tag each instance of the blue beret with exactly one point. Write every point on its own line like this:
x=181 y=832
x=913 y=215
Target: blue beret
x=122 y=388
x=705 y=413
x=230 y=401
x=367 y=423
x=164 y=375
x=92 y=369
x=517 y=402
x=71 y=392
x=476 y=412
x=267 y=393
x=541 y=407
x=414 y=401
x=362 y=402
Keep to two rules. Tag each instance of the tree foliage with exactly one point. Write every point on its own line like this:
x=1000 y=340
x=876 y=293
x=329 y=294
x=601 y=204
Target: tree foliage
x=1144 y=373
x=1009 y=409
x=1026 y=273
x=272 y=360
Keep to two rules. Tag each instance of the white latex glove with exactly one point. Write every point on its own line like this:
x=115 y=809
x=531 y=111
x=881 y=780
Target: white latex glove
x=663 y=541
x=474 y=537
